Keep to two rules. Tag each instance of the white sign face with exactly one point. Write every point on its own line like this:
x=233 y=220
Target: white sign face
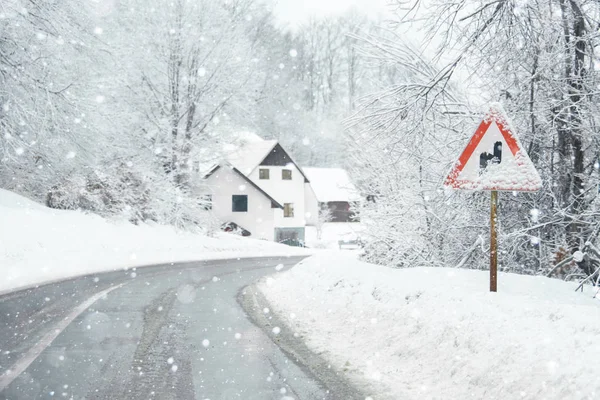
x=494 y=159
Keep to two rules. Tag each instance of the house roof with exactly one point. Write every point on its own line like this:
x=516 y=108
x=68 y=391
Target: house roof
x=274 y=202
x=331 y=184
x=247 y=157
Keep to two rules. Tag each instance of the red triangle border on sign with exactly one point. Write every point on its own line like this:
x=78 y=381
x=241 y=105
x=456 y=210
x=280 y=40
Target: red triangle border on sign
x=513 y=144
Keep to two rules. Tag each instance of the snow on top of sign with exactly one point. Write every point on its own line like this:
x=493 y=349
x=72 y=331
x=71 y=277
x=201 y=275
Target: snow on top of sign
x=515 y=172
x=497 y=113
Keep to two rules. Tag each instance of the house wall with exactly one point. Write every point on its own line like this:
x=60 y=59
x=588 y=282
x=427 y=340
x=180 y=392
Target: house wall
x=311 y=205
x=284 y=191
x=259 y=219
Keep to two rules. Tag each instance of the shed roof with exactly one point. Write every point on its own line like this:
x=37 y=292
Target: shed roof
x=331 y=184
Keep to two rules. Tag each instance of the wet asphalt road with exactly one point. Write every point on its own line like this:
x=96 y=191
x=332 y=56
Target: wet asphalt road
x=170 y=332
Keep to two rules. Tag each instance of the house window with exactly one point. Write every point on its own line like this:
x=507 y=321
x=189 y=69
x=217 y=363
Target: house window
x=288 y=210
x=206 y=202
x=239 y=203
x=286 y=174
x=263 y=173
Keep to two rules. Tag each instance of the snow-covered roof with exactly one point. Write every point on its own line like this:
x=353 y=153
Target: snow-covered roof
x=331 y=184
x=247 y=157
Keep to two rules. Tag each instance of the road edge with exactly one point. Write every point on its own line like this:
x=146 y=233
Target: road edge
x=172 y=264
x=339 y=385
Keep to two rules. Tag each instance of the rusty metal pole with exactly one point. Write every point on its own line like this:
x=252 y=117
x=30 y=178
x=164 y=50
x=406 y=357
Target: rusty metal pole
x=494 y=242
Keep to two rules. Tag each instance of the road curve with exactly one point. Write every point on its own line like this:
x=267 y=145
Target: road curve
x=161 y=332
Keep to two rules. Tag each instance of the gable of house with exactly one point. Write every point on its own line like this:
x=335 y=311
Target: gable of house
x=274 y=203
x=235 y=198
x=280 y=158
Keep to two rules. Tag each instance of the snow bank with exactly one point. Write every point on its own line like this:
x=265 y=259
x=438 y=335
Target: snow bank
x=428 y=333
x=38 y=244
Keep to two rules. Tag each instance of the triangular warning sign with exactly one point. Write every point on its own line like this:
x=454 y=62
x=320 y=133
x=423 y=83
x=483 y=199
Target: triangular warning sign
x=494 y=159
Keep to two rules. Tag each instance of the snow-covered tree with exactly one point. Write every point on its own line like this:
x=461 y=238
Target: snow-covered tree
x=537 y=59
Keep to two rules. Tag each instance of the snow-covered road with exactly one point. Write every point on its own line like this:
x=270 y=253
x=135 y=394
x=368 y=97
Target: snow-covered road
x=167 y=333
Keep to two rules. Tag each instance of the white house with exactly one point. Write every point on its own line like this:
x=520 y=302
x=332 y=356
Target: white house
x=262 y=190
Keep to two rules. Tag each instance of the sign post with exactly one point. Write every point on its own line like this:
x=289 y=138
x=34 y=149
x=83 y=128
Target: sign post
x=494 y=242
x=494 y=160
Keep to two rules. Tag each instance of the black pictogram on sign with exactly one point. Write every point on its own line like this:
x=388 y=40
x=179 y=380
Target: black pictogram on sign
x=486 y=158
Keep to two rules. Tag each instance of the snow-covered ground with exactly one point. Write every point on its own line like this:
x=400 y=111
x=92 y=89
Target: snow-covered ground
x=38 y=244
x=331 y=233
x=428 y=333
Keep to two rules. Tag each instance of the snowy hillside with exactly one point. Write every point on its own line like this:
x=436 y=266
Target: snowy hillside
x=38 y=244
x=437 y=333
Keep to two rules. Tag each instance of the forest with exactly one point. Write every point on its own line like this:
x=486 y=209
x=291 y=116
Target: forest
x=112 y=106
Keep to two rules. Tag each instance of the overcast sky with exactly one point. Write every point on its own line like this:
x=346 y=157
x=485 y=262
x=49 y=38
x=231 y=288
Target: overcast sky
x=294 y=12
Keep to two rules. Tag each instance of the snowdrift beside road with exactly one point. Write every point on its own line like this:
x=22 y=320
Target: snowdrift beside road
x=433 y=333
x=39 y=244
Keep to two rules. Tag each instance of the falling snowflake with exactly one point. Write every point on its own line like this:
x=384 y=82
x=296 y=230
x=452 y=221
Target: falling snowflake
x=276 y=330
x=266 y=310
x=279 y=267
x=238 y=336
x=293 y=53
x=100 y=99
x=170 y=360
x=19 y=151
x=206 y=343
x=201 y=71
x=535 y=214
x=98 y=30
x=70 y=155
